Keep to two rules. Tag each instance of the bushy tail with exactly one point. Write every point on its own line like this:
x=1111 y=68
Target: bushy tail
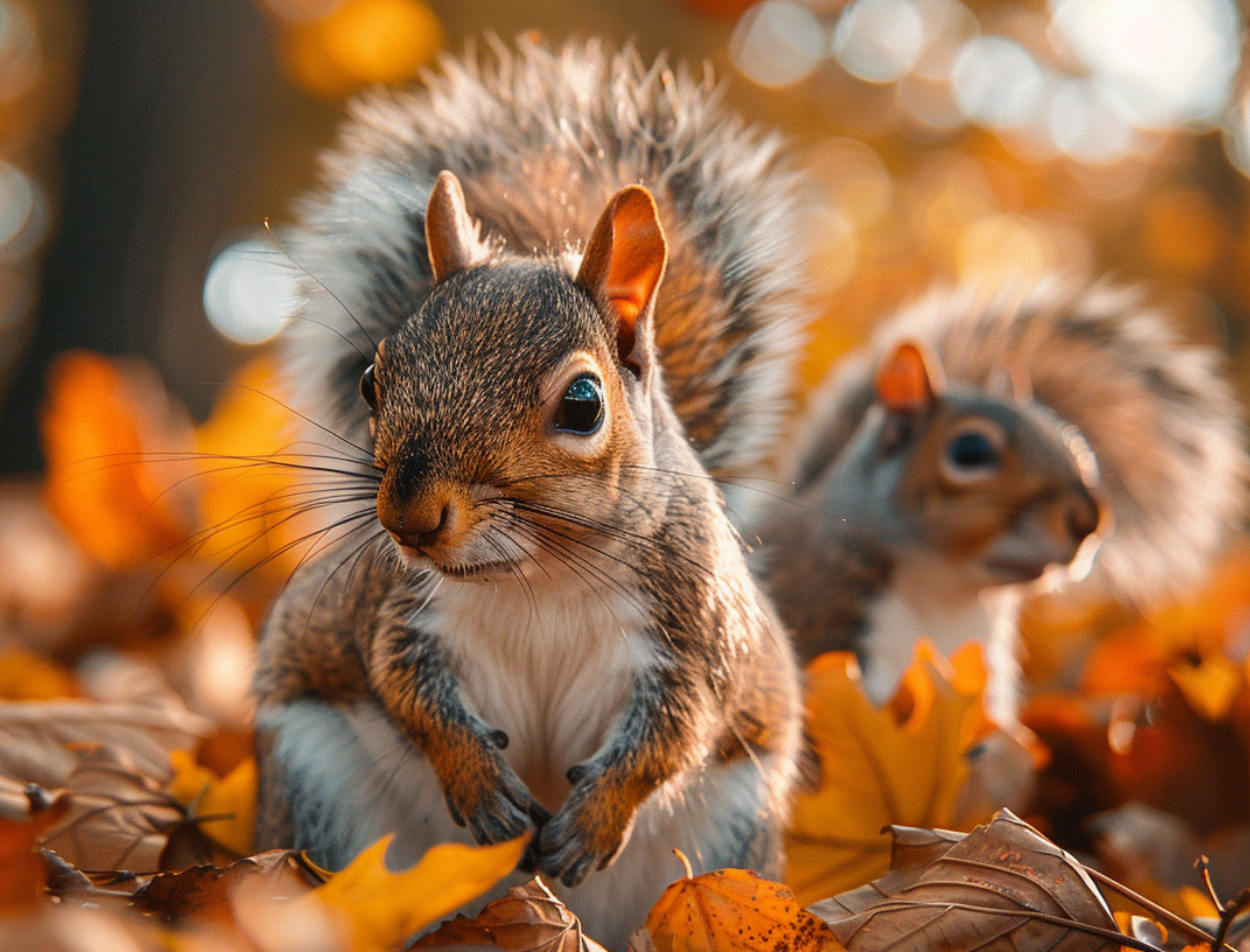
x=1157 y=411
x=540 y=140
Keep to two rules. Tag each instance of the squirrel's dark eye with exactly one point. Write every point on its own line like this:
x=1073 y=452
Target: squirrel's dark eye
x=581 y=407
x=972 y=449
x=368 y=388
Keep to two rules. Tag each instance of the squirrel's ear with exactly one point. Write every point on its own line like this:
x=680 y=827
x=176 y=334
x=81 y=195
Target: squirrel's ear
x=908 y=381
x=622 y=268
x=450 y=234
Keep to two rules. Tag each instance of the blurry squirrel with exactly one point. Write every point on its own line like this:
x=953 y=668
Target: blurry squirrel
x=988 y=438
x=563 y=293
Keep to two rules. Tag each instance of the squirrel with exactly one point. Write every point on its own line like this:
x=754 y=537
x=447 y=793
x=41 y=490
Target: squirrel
x=545 y=622
x=990 y=442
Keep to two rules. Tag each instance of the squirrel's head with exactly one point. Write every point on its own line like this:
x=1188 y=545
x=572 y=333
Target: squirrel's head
x=509 y=411
x=993 y=482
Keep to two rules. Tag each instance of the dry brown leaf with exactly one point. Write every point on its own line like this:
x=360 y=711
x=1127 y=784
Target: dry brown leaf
x=734 y=910
x=118 y=818
x=904 y=764
x=528 y=919
x=1001 y=888
x=42 y=742
x=204 y=892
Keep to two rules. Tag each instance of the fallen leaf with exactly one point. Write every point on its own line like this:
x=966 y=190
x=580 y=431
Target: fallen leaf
x=903 y=764
x=379 y=908
x=27 y=676
x=204 y=892
x=224 y=808
x=247 y=479
x=1209 y=686
x=118 y=818
x=734 y=910
x=22 y=871
x=41 y=742
x=529 y=919
x=1001 y=888
x=115 y=447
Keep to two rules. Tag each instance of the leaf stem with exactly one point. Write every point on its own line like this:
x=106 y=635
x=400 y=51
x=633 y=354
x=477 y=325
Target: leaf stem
x=1174 y=921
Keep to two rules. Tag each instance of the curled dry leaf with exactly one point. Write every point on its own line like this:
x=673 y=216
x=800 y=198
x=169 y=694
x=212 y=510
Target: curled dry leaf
x=380 y=908
x=528 y=919
x=118 y=818
x=42 y=742
x=204 y=892
x=903 y=764
x=1001 y=888
x=733 y=910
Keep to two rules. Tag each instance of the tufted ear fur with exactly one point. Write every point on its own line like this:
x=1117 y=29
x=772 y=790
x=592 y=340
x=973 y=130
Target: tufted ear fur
x=908 y=381
x=450 y=234
x=621 y=270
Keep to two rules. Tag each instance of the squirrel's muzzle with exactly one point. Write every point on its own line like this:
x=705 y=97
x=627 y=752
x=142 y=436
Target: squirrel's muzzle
x=428 y=519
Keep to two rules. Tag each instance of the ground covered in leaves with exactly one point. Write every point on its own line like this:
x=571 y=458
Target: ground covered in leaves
x=137 y=572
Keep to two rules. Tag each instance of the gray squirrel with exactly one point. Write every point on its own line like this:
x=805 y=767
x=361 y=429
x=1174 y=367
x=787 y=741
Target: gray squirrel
x=549 y=300
x=989 y=441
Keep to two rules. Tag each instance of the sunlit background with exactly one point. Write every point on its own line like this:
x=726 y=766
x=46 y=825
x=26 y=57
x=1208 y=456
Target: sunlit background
x=152 y=152
x=143 y=145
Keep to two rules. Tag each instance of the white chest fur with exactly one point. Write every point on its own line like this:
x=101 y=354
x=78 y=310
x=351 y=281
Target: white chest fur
x=551 y=665
x=905 y=613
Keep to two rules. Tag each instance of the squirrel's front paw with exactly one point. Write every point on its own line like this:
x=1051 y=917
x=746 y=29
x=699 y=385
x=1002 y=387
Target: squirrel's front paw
x=589 y=832
x=488 y=797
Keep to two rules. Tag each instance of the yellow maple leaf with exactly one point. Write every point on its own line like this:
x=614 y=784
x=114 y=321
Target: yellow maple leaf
x=904 y=763
x=379 y=908
x=223 y=807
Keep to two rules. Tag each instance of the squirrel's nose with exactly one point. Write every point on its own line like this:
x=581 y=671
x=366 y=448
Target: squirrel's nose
x=419 y=521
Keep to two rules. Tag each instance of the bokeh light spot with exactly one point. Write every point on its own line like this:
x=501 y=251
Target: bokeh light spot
x=250 y=292
x=997 y=82
x=23 y=216
x=364 y=42
x=1166 y=61
x=879 y=40
x=1005 y=248
x=777 y=43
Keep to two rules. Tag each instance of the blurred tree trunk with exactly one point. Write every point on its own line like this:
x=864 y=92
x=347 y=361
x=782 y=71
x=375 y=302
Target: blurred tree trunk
x=171 y=99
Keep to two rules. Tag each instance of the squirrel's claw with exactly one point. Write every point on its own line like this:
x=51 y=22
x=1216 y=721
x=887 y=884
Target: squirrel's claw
x=585 y=835
x=502 y=811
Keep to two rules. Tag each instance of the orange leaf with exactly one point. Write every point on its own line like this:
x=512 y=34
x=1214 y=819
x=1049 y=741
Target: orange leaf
x=112 y=439
x=380 y=908
x=734 y=910
x=1210 y=686
x=26 y=676
x=902 y=764
x=223 y=808
x=246 y=490
x=22 y=870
